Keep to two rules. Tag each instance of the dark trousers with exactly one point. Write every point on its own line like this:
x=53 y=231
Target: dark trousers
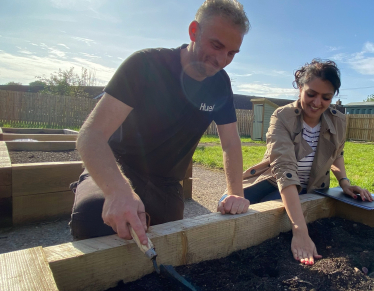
x=263 y=191
x=163 y=201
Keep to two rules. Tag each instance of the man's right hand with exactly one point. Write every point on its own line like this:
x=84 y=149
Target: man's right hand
x=233 y=204
x=123 y=209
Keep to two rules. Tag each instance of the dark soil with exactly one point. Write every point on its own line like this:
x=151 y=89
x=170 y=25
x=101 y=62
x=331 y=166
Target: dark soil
x=347 y=249
x=21 y=157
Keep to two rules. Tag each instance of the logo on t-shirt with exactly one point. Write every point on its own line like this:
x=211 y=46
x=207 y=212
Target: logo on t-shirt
x=204 y=107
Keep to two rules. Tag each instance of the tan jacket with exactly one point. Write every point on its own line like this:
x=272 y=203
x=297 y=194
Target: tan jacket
x=286 y=146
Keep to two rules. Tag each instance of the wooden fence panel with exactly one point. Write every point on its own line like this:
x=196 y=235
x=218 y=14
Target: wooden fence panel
x=360 y=127
x=244 y=122
x=42 y=110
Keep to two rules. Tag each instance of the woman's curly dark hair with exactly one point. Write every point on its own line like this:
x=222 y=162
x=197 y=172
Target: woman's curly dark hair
x=325 y=70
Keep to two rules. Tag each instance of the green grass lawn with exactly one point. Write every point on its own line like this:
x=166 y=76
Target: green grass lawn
x=215 y=139
x=359 y=160
x=33 y=125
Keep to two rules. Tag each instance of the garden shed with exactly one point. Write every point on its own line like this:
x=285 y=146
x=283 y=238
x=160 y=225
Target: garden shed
x=262 y=109
x=359 y=108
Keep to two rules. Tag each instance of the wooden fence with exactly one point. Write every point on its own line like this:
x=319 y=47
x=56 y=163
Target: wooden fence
x=360 y=127
x=42 y=110
x=245 y=121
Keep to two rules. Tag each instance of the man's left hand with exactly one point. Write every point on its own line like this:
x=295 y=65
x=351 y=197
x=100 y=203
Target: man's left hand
x=233 y=204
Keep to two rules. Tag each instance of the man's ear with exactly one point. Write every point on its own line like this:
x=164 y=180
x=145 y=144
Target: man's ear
x=193 y=30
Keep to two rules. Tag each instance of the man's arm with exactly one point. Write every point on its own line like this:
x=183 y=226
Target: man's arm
x=235 y=203
x=122 y=204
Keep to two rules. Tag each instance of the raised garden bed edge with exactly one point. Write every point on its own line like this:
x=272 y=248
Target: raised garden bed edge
x=100 y=263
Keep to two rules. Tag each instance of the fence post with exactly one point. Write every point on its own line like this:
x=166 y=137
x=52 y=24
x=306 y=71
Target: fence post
x=187 y=183
x=347 y=127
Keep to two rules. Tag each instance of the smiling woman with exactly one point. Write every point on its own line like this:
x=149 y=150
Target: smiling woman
x=305 y=141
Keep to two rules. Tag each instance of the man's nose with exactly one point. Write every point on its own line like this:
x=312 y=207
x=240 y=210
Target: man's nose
x=222 y=59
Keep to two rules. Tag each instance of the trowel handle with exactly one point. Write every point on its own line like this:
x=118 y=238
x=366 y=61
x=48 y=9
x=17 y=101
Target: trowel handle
x=148 y=250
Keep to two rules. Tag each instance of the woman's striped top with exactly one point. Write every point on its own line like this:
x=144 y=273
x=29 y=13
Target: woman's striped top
x=311 y=135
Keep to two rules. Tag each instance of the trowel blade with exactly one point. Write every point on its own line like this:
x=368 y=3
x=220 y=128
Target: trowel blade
x=169 y=272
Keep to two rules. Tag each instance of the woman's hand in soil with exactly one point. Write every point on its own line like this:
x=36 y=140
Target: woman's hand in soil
x=354 y=190
x=121 y=210
x=304 y=249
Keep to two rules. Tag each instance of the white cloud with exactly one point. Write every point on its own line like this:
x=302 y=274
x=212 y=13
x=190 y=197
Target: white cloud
x=266 y=90
x=240 y=75
x=333 y=48
x=90 y=56
x=87 y=41
x=54 y=17
x=361 y=61
x=26 y=52
x=364 y=66
x=64 y=45
x=24 y=69
x=53 y=51
x=369 y=47
x=283 y=73
x=80 y=5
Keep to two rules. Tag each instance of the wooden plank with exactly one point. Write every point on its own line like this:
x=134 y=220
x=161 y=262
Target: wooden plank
x=5 y=186
x=5 y=211
x=40 y=137
x=41 y=146
x=356 y=214
x=99 y=263
x=5 y=176
x=42 y=207
x=69 y=131
x=33 y=130
x=187 y=183
x=4 y=155
x=5 y=190
x=5 y=168
x=26 y=270
x=28 y=179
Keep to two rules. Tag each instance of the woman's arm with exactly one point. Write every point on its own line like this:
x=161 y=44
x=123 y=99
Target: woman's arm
x=302 y=246
x=338 y=168
x=283 y=162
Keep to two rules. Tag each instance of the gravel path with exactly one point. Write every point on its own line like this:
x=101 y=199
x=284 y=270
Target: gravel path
x=207 y=187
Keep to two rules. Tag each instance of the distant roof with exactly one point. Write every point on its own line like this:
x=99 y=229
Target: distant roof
x=244 y=101
x=359 y=104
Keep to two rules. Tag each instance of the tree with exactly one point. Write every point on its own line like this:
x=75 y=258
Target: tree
x=37 y=84
x=68 y=83
x=370 y=98
x=13 y=83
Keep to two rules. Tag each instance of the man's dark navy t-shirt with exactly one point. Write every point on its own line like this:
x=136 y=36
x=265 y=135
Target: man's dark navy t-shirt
x=171 y=111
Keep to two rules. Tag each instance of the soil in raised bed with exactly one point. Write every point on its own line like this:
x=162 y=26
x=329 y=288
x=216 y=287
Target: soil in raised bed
x=347 y=264
x=21 y=157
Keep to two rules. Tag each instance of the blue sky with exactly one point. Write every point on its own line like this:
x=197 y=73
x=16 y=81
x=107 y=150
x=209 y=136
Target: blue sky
x=38 y=37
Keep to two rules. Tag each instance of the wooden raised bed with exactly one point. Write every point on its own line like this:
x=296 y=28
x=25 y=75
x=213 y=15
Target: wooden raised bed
x=39 y=191
x=39 y=134
x=100 y=263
